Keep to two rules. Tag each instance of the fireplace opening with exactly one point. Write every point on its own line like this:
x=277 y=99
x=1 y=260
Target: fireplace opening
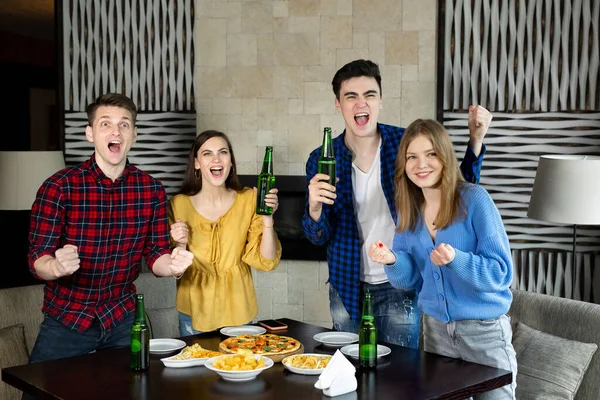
x=288 y=218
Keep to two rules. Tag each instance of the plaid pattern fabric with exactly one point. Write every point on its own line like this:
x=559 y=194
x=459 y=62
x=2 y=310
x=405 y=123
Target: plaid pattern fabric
x=337 y=226
x=112 y=224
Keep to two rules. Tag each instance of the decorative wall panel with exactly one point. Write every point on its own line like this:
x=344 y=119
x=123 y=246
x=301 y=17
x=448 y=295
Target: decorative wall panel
x=161 y=148
x=535 y=65
x=143 y=49
x=555 y=274
x=514 y=143
x=510 y=55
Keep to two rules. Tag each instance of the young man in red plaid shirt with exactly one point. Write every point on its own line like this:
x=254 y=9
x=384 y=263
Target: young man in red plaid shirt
x=90 y=226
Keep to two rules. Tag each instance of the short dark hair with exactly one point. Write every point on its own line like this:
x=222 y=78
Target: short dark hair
x=111 y=100
x=355 y=69
x=191 y=185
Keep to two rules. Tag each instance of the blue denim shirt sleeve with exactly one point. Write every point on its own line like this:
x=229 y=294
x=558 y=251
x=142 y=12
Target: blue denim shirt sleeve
x=316 y=231
x=471 y=164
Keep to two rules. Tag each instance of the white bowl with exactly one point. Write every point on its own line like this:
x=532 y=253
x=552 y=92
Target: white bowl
x=238 y=376
x=287 y=363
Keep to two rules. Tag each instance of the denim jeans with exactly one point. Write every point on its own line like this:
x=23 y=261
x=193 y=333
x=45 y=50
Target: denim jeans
x=55 y=340
x=396 y=314
x=487 y=342
x=185 y=325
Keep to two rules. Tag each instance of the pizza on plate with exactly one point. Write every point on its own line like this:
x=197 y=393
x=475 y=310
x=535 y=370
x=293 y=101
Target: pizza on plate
x=266 y=344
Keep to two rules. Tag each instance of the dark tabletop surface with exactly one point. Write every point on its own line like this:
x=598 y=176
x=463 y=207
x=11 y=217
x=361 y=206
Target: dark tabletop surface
x=403 y=374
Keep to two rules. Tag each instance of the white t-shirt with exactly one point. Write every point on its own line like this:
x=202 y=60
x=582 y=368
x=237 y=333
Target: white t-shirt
x=373 y=216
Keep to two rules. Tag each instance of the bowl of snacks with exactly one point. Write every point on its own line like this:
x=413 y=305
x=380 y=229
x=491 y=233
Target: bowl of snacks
x=240 y=367
x=306 y=364
x=190 y=356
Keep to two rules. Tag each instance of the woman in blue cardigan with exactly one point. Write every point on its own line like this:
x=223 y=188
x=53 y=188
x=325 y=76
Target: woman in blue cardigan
x=451 y=246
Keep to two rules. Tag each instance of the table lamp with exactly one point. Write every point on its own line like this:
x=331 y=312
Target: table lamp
x=22 y=173
x=566 y=190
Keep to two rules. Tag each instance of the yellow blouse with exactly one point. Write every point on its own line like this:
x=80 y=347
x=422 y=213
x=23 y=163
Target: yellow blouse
x=217 y=289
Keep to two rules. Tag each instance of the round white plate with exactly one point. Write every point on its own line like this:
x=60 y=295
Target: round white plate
x=352 y=350
x=336 y=338
x=238 y=376
x=161 y=346
x=303 y=371
x=242 y=330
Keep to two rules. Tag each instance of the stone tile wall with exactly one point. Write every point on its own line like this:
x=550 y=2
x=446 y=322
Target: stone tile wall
x=263 y=76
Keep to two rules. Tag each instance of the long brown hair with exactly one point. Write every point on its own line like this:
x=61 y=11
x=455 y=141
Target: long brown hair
x=191 y=185
x=409 y=197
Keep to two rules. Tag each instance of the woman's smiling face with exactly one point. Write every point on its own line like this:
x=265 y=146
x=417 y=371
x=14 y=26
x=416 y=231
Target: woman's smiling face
x=214 y=161
x=423 y=166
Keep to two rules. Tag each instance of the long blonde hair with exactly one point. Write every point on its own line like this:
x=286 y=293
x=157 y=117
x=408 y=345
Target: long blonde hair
x=409 y=197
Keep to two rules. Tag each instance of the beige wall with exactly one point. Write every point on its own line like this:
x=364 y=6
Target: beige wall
x=263 y=76
x=264 y=69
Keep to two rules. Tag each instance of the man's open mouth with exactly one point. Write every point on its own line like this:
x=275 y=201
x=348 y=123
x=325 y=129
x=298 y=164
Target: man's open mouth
x=114 y=146
x=361 y=118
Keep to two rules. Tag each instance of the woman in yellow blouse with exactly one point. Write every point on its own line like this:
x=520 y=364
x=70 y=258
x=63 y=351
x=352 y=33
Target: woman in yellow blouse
x=215 y=218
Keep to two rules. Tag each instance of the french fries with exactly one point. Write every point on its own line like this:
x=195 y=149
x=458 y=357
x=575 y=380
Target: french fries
x=195 y=351
x=307 y=362
x=244 y=360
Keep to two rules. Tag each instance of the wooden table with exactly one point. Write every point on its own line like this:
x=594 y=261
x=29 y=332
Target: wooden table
x=403 y=374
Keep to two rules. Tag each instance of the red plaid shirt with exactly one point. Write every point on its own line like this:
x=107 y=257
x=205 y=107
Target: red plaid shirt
x=112 y=224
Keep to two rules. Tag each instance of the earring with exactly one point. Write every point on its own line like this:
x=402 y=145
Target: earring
x=197 y=173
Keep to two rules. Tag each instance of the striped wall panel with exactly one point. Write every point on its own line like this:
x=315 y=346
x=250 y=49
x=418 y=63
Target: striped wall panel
x=539 y=55
x=141 y=48
x=514 y=143
x=555 y=274
x=161 y=148
x=535 y=66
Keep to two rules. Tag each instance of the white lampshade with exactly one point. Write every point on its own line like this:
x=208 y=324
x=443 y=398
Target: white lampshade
x=22 y=173
x=566 y=190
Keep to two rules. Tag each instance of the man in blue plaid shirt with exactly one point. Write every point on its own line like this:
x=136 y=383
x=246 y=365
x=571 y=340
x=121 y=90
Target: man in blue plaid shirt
x=360 y=208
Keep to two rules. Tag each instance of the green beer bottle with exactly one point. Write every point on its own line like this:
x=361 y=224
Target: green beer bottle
x=266 y=182
x=140 y=338
x=326 y=163
x=367 y=336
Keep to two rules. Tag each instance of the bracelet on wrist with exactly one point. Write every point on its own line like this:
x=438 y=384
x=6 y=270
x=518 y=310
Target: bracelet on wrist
x=176 y=276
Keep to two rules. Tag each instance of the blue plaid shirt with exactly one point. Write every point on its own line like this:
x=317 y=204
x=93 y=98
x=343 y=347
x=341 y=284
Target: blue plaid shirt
x=337 y=225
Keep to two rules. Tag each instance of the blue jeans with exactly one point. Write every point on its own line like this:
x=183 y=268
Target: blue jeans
x=396 y=314
x=55 y=340
x=185 y=325
x=487 y=342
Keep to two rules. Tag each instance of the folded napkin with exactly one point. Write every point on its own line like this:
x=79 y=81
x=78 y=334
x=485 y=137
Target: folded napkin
x=338 y=377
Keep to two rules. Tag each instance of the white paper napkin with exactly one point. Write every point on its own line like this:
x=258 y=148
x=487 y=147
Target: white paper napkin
x=338 y=377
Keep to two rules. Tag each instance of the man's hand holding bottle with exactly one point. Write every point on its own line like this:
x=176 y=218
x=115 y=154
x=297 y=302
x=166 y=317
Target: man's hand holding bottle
x=320 y=192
